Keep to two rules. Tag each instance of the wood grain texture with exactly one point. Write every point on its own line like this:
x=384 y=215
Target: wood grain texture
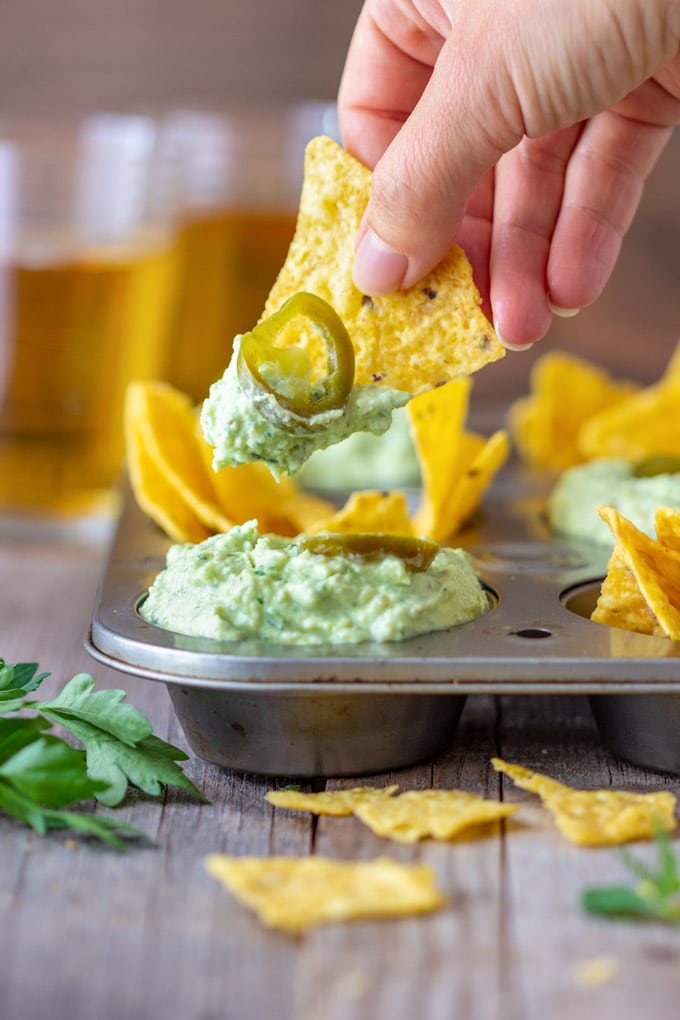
x=88 y=932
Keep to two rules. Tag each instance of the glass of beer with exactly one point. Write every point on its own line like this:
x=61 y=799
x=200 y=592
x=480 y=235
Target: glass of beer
x=242 y=173
x=88 y=263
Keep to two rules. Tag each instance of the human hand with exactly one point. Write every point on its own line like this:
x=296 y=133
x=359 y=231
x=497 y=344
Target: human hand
x=522 y=130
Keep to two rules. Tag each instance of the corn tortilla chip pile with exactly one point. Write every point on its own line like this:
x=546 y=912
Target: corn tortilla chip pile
x=413 y=340
x=576 y=412
x=294 y=894
x=169 y=466
x=641 y=591
x=596 y=817
x=565 y=394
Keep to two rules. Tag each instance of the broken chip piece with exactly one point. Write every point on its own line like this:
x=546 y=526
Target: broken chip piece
x=294 y=894
x=596 y=817
x=440 y=814
x=328 y=802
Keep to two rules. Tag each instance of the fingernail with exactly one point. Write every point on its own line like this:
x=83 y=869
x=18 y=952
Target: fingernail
x=378 y=269
x=509 y=346
x=563 y=313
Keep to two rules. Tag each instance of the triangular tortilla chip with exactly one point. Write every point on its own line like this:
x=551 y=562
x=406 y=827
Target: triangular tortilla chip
x=565 y=392
x=656 y=569
x=384 y=513
x=456 y=466
x=412 y=340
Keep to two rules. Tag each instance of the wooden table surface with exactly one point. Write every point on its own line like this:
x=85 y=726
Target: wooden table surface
x=87 y=932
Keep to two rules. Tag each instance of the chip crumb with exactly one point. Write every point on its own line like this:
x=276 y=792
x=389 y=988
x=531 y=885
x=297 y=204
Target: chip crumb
x=598 y=970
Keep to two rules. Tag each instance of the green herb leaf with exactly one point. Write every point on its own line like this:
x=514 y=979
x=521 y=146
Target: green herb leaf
x=40 y=773
x=51 y=772
x=654 y=896
x=148 y=764
x=16 y=733
x=19 y=679
x=103 y=709
x=41 y=819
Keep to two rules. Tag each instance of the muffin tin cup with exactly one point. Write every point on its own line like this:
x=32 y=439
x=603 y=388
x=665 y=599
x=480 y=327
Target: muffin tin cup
x=351 y=709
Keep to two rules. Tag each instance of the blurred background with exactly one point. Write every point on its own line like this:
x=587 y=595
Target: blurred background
x=88 y=54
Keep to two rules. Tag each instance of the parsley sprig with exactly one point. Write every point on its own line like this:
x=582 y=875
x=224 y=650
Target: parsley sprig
x=42 y=775
x=656 y=895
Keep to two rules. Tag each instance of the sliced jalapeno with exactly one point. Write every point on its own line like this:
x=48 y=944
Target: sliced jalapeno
x=284 y=373
x=660 y=465
x=416 y=553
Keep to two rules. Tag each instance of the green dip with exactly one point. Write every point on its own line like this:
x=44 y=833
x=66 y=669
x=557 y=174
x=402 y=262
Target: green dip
x=239 y=434
x=241 y=585
x=573 y=503
x=366 y=461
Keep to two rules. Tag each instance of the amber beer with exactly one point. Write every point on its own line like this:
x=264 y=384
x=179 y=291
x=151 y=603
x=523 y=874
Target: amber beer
x=74 y=330
x=243 y=173
x=229 y=260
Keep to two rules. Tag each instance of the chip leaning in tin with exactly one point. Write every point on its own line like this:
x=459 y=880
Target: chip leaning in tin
x=641 y=591
x=316 y=589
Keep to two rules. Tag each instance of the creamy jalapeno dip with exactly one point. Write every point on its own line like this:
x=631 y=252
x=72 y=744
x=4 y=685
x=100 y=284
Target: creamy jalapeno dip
x=241 y=585
x=366 y=461
x=573 y=502
x=239 y=433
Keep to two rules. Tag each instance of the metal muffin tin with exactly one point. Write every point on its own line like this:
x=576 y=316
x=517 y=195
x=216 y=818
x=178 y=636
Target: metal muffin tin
x=352 y=709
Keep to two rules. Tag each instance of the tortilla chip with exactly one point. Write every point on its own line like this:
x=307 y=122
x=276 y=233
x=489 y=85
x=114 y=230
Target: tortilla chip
x=169 y=464
x=607 y=817
x=596 y=817
x=667 y=527
x=638 y=427
x=565 y=393
x=166 y=420
x=672 y=370
x=329 y=802
x=250 y=492
x=440 y=814
x=413 y=340
x=384 y=513
x=655 y=568
x=456 y=466
x=156 y=492
x=523 y=777
x=295 y=894
x=620 y=603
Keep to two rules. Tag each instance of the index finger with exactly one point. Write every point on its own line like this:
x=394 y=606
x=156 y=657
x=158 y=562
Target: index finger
x=386 y=71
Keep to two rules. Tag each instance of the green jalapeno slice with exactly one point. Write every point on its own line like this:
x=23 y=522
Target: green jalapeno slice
x=659 y=465
x=284 y=373
x=416 y=553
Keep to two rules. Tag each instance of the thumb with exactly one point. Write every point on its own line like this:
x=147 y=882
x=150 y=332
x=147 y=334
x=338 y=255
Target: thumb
x=423 y=180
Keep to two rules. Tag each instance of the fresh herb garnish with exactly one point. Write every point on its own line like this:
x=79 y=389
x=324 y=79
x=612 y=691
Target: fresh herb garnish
x=656 y=895
x=41 y=774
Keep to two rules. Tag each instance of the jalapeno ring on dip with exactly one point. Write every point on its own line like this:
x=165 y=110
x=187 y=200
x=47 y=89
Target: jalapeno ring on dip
x=317 y=589
x=265 y=370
